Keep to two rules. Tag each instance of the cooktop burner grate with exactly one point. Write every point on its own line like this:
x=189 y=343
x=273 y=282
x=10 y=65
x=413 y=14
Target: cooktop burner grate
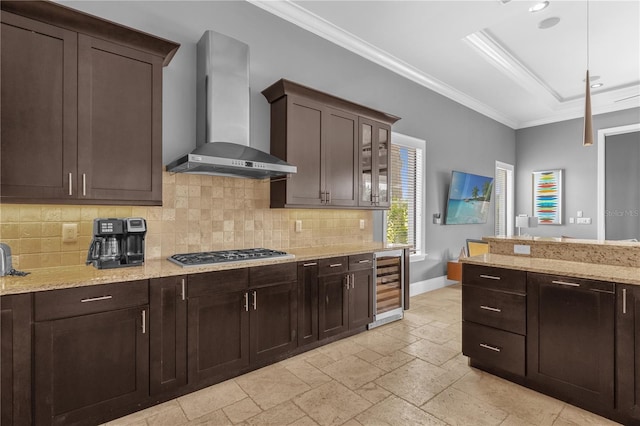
x=213 y=257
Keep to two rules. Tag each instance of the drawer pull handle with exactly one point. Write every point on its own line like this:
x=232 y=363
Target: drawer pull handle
x=309 y=264
x=489 y=308
x=96 y=299
x=490 y=277
x=597 y=290
x=335 y=265
x=365 y=261
x=624 y=300
x=566 y=283
x=492 y=348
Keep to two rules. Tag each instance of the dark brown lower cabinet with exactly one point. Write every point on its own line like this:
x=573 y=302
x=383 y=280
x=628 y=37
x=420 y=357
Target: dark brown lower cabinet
x=15 y=359
x=628 y=352
x=333 y=306
x=273 y=321
x=168 y=334
x=307 y=302
x=361 y=298
x=218 y=325
x=90 y=366
x=570 y=339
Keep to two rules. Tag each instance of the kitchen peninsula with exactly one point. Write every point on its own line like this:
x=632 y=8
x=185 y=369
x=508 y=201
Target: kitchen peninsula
x=561 y=319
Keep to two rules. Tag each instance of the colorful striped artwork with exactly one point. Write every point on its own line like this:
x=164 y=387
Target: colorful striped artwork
x=547 y=197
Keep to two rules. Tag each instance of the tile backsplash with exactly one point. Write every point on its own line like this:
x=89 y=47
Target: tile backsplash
x=199 y=213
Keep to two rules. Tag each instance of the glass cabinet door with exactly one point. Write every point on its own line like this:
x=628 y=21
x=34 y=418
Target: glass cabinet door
x=382 y=198
x=366 y=163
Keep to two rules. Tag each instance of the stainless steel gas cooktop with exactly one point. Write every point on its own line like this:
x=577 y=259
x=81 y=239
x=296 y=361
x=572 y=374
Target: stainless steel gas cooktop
x=212 y=257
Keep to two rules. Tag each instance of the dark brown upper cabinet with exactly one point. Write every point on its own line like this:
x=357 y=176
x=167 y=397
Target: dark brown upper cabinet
x=323 y=136
x=81 y=108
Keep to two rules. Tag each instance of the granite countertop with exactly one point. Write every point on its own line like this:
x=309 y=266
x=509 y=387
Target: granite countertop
x=79 y=276
x=619 y=274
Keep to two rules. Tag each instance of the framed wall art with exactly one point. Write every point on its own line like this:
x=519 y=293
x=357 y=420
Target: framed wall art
x=547 y=197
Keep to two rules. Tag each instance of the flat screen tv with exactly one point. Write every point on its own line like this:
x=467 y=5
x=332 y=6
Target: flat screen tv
x=469 y=198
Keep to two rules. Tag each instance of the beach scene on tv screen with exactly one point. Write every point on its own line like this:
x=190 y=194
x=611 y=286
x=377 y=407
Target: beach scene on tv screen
x=469 y=198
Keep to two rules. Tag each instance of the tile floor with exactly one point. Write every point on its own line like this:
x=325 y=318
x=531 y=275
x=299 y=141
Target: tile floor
x=409 y=372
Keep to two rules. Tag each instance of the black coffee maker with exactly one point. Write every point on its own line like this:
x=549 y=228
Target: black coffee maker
x=117 y=243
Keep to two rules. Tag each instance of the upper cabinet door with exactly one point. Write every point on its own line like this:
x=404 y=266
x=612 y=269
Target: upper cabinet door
x=374 y=156
x=341 y=158
x=384 y=154
x=119 y=122
x=38 y=128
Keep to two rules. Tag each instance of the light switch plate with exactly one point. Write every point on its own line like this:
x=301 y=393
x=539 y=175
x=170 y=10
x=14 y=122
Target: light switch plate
x=584 y=221
x=298 y=226
x=361 y=223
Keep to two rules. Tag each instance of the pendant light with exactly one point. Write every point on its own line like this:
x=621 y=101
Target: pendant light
x=587 y=139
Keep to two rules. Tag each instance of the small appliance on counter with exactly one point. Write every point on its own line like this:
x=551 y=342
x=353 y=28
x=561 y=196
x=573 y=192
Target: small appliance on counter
x=117 y=243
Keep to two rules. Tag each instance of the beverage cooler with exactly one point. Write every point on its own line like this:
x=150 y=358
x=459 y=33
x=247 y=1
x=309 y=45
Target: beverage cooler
x=389 y=287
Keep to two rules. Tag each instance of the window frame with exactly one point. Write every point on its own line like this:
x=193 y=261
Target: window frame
x=421 y=145
x=510 y=196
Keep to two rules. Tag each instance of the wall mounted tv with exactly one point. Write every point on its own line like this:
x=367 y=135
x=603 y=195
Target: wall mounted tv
x=469 y=198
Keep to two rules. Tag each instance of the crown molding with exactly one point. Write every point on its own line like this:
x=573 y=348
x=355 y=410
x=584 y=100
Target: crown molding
x=301 y=17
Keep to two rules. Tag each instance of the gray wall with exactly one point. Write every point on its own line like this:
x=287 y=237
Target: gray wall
x=457 y=138
x=559 y=146
x=622 y=186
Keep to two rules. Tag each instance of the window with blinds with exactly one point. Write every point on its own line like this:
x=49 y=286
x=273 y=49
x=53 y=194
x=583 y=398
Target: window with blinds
x=404 y=218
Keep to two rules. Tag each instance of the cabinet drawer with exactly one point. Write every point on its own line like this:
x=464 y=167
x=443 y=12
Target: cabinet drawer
x=217 y=282
x=333 y=265
x=72 y=302
x=272 y=274
x=495 y=278
x=506 y=311
x=361 y=261
x=496 y=348
x=570 y=282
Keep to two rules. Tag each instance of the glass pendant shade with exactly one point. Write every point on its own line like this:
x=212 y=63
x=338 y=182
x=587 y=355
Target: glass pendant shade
x=587 y=139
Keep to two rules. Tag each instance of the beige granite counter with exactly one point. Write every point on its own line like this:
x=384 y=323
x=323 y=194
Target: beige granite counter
x=78 y=276
x=614 y=273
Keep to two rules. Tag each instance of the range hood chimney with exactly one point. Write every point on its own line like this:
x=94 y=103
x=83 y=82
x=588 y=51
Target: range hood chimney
x=222 y=144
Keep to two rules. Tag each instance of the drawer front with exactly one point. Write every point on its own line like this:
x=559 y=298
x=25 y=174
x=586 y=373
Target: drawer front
x=570 y=282
x=361 y=261
x=495 y=278
x=217 y=282
x=496 y=348
x=333 y=265
x=272 y=274
x=72 y=302
x=506 y=311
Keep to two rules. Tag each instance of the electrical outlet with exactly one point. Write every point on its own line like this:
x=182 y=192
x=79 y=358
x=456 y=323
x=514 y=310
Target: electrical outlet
x=69 y=232
x=361 y=223
x=298 y=226
x=521 y=249
x=572 y=220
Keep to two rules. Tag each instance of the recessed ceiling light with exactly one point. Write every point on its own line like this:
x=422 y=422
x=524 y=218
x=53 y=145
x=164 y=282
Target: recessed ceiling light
x=548 y=23
x=596 y=85
x=539 y=6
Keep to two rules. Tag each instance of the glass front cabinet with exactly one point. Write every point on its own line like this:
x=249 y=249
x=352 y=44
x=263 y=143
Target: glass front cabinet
x=375 y=149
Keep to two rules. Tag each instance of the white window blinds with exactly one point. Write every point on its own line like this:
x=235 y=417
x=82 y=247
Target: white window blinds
x=404 y=219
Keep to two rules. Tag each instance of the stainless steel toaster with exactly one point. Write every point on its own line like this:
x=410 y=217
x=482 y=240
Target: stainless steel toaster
x=5 y=259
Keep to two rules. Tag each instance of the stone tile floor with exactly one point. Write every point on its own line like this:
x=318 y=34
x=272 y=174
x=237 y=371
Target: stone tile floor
x=409 y=372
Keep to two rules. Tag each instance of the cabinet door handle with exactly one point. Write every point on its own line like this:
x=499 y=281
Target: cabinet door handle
x=96 y=299
x=566 y=283
x=490 y=277
x=624 y=300
x=309 y=264
x=489 y=308
x=365 y=261
x=328 y=197
x=144 y=321
x=346 y=282
x=492 y=348
x=246 y=302
x=255 y=301
x=70 y=184
x=323 y=198
x=182 y=288
x=353 y=281
x=84 y=184
x=335 y=265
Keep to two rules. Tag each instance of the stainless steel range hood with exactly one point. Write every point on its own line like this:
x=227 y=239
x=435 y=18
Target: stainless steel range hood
x=223 y=116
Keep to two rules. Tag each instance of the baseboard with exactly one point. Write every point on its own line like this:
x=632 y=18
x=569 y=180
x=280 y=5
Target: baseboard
x=429 y=285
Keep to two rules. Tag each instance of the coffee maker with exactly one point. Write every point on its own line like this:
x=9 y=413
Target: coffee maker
x=117 y=243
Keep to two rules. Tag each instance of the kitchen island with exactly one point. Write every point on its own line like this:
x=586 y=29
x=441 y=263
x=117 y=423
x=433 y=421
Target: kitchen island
x=563 y=319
